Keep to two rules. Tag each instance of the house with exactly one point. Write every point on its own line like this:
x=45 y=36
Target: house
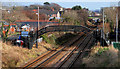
x=35 y=10
x=96 y=14
x=26 y=27
x=58 y=14
x=50 y=13
x=68 y=9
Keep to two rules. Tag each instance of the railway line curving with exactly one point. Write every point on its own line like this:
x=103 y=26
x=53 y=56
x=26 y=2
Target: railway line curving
x=50 y=54
x=65 y=56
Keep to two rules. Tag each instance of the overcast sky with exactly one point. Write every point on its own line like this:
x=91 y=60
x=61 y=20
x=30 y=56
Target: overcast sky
x=91 y=4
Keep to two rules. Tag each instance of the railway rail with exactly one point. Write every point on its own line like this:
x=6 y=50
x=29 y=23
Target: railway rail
x=50 y=55
x=77 y=61
x=66 y=56
x=53 y=60
x=80 y=53
x=70 y=60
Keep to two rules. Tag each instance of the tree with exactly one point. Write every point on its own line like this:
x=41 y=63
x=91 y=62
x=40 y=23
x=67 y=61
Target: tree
x=82 y=16
x=75 y=17
x=46 y=3
x=4 y=34
x=86 y=9
x=70 y=17
x=14 y=15
x=76 y=8
x=30 y=15
x=110 y=13
x=119 y=16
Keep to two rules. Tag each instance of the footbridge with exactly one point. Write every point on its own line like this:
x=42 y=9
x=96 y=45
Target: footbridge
x=55 y=28
x=62 y=28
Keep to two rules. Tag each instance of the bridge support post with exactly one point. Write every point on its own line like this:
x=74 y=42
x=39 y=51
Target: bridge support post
x=30 y=43
x=36 y=44
x=36 y=39
x=30 y=40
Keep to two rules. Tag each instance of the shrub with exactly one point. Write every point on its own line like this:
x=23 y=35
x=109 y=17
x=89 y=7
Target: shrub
x=102 y=57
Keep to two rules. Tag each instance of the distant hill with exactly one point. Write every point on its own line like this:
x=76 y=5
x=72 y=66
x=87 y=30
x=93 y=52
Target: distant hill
x=98 y=11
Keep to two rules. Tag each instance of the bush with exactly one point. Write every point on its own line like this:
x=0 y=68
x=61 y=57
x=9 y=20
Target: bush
x=102 y=57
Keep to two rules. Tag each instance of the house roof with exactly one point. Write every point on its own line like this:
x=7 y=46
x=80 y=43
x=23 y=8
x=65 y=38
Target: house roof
x=34 y=21
x=68 y=9
x=34 y=10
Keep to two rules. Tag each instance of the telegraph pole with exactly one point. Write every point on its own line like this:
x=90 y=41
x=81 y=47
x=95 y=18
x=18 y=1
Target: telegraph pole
x=103 y=27
x=117 y=27
x=38 y=18
x=37 y=29
x=103 y=23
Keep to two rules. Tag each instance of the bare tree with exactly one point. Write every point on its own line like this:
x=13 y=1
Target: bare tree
x=70 y=17
x=82 y=16
x=110 y=13
x=76 y=17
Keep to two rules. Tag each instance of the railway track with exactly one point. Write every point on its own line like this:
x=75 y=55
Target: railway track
x=70 y=60
x=43 y=60
x=55 y=59
x=78 y=60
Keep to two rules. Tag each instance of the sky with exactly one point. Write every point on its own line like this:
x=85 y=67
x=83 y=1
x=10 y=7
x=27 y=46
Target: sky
x=91 y=5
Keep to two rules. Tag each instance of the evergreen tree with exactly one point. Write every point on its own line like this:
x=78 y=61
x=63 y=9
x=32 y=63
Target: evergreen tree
x=76 y=8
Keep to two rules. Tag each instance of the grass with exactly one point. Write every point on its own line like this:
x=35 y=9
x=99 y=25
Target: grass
x=56 y=41
x=11 y=55
x=92 y=17
x=50 y=39
x=14 y=56
x=102 y=57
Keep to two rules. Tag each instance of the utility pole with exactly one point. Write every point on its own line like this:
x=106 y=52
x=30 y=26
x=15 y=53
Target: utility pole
x=37 y=29
x=38 y=18
x=103 y=23
x=103 y=28
x=117 y=27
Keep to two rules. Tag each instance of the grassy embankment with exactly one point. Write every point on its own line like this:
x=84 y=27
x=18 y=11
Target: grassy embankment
x=53 y=39
x=102 y=57
x=14 y=56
